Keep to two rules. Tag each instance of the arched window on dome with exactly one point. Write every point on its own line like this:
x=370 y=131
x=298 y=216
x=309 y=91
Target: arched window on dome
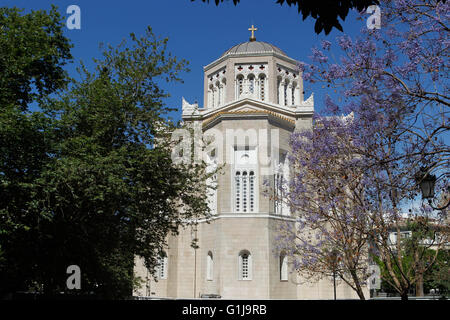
x=209 y=266
x=219 y=94
x=279 y=90
x=285 y=93
x=224 y=90
x=211 y=96
x=262 y=87
x=239 y=85
x=251 y=83
x=294 y=88
x=245 y=265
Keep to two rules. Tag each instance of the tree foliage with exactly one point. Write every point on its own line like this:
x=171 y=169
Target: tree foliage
x=88 y=179
x=33 y=52
x=358 y=173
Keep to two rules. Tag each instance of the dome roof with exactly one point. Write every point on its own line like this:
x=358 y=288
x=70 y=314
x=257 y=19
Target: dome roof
x=253 y=47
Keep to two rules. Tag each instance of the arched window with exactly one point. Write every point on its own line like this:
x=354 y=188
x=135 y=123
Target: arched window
x=162 y=266
x=286 y=83
x=279 y=86
x=251 y=83
x=209 y=266
x=262 y=87
x=239 y=85
x=210 y=96
x=224 y=91
x=252 y=190
x=244 y=188
x=237 y=184
x=219 y=93
x=283 y=267
x=294 y=87
x=245 y=265
x=244 y=191
x=212 y=100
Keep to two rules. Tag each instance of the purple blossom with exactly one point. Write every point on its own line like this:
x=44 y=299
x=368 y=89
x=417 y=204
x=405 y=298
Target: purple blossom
x=326 y=44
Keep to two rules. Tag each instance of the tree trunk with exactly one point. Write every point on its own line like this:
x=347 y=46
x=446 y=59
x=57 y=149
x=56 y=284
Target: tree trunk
x=359 y=290
x=419 y=285
x=404 y=296
x=419 y=274
x=360 y=294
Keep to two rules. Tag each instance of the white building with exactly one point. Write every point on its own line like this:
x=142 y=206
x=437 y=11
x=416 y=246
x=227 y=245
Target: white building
x=256 y=88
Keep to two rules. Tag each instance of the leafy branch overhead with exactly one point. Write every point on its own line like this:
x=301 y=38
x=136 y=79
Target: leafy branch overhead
x=325 y=12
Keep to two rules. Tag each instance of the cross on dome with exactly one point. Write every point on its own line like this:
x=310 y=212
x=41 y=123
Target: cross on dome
x=252 y=29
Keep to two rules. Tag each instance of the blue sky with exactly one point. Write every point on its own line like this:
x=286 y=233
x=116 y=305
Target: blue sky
x=197 y=31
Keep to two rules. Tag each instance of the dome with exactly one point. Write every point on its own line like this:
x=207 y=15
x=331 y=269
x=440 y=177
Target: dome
x=253 y=47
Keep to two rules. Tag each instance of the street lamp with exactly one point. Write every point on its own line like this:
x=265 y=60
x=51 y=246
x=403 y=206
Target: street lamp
x=334 y=261
x=426 y=183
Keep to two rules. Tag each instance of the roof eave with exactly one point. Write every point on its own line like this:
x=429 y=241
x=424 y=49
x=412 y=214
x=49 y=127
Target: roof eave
x=248 y=54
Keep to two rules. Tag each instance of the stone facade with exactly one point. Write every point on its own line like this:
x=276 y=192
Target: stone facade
x=252 y=89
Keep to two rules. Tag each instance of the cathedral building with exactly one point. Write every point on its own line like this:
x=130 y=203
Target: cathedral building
x=254 y=99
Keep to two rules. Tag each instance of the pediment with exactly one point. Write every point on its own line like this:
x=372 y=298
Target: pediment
x=245 y=106
x=248 y=108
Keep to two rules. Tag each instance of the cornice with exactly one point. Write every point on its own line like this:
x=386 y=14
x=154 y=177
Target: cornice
x=248 y=54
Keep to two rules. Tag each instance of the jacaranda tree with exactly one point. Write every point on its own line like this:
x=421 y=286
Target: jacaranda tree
x=355 y=177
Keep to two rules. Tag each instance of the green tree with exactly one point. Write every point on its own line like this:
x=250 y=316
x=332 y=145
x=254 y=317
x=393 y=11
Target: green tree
x=33 y=51
x=89 y=179
x=112 y=191
x=438 y=276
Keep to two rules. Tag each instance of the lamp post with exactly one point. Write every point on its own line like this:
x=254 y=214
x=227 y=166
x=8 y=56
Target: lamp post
x=426 y=182
x=334 y=262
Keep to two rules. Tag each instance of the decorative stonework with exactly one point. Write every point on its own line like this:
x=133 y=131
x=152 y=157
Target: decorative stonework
x=288 y=86
x=308 y=102
x=217 y=87
x=251 y=81
x=247 y=112
x=189 y=109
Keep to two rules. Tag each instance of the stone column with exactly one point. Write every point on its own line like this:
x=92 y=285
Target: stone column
x=209 y=103
x=289 y=95
x=224 y=93
x=297 y=95
x=281 y=93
